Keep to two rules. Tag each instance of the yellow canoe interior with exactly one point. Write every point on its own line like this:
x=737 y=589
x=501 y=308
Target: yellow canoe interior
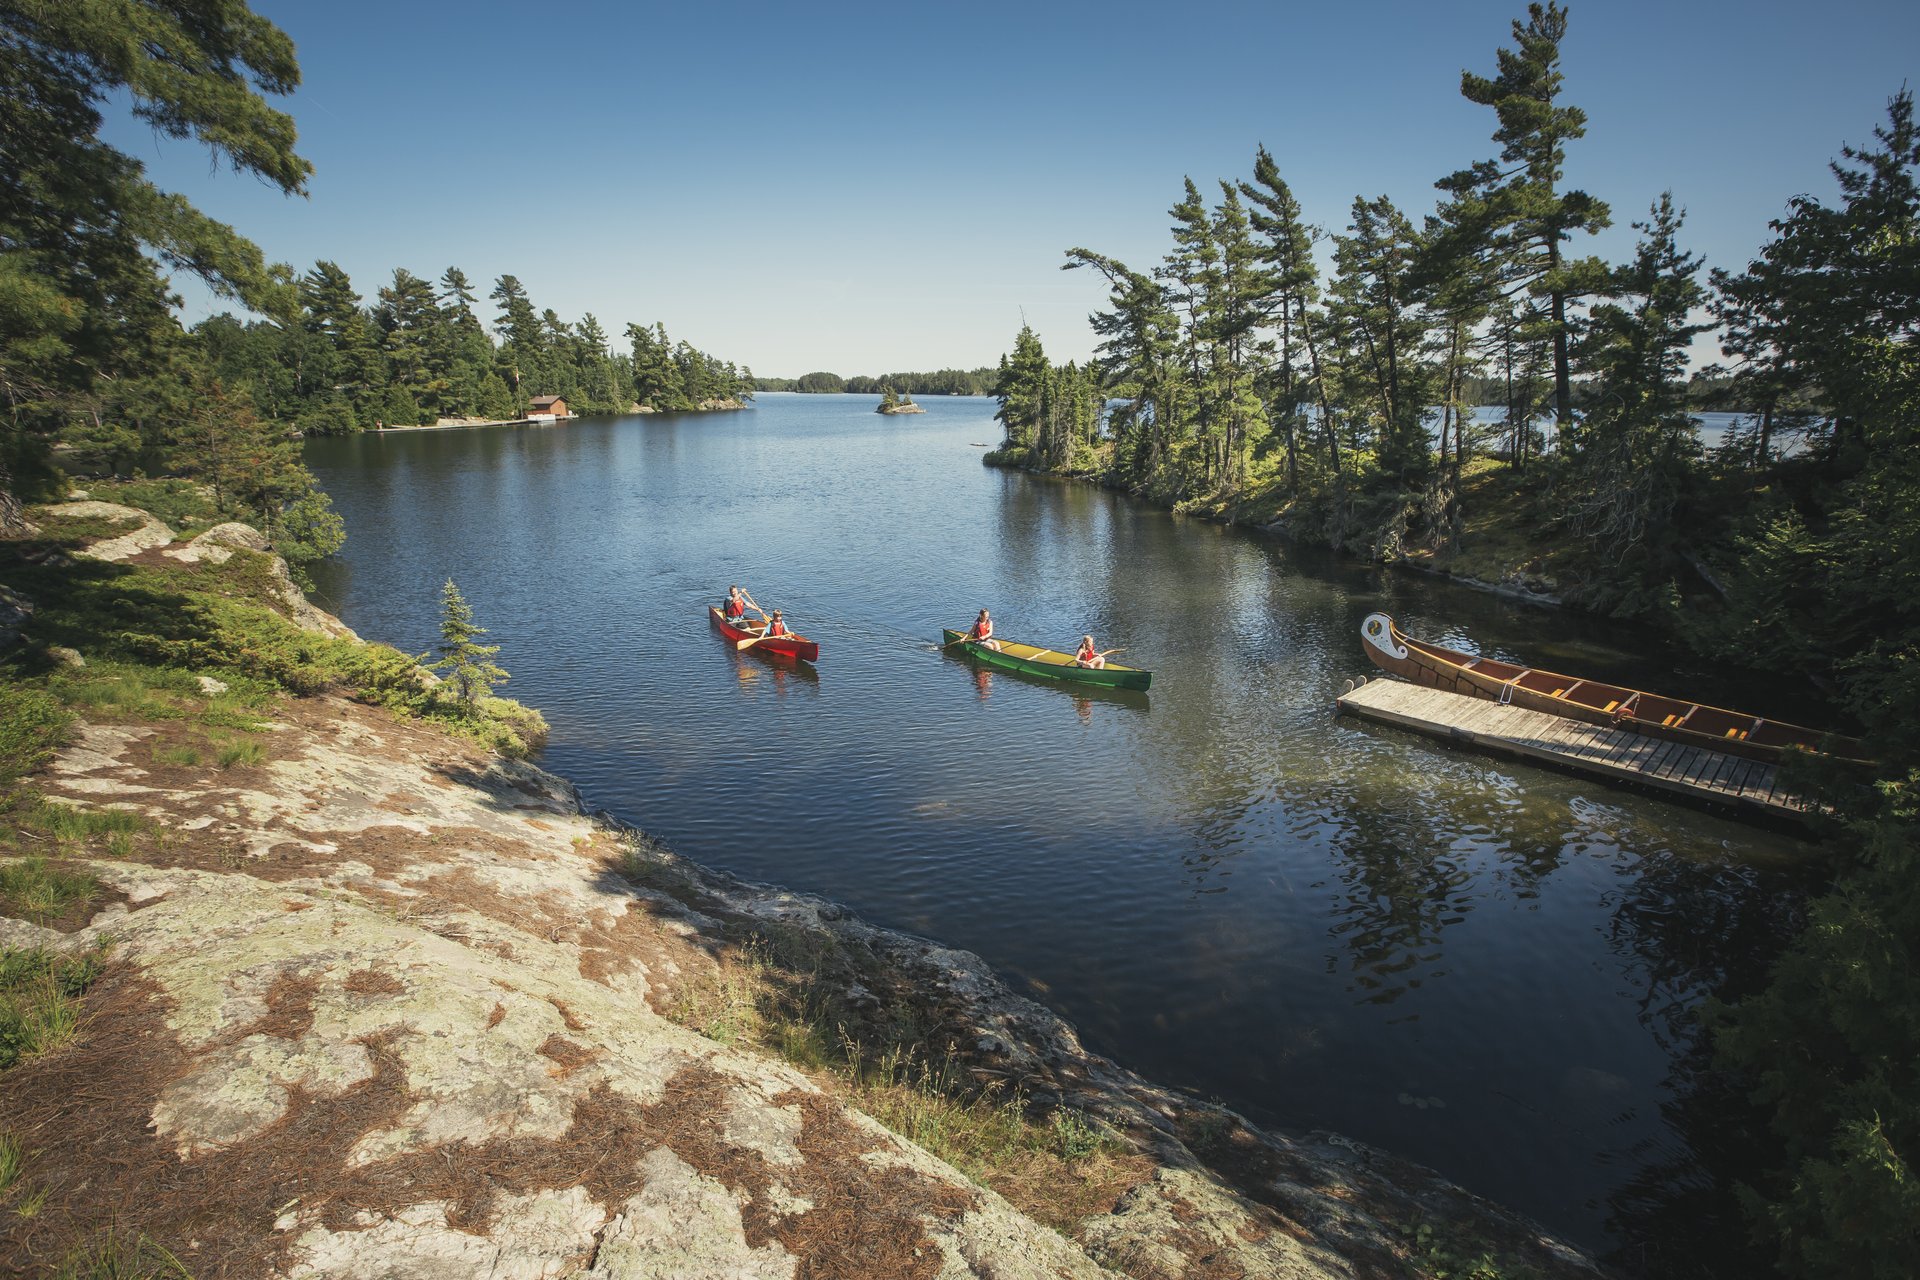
x=1051 y=657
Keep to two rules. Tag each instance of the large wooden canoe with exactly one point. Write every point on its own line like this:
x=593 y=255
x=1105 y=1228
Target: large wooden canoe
x=1694 y=723
x=787 y=646
x=1049 y=664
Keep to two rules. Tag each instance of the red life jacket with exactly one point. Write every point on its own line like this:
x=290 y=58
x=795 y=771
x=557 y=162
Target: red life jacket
x=1087 y=653
x=734 y=608
x=778 y=628
x=981 y=630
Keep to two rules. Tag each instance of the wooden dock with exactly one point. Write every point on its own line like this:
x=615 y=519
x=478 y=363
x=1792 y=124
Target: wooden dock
x=1615 y=754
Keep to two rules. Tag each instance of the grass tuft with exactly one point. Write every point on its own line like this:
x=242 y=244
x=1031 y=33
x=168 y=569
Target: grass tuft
x=177 y=755
x=33 y=725
x=40 y=999
x=13 y=1159
x=118 y=1255
x=119 y=689
x=232 y=751
x=71 y=825
x=32 y=889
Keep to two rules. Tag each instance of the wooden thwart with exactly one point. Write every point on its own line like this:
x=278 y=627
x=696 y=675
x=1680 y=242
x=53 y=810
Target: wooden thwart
x=1612 y=753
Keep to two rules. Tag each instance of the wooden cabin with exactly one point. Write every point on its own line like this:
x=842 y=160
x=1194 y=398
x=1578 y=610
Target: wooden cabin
x=548 y=406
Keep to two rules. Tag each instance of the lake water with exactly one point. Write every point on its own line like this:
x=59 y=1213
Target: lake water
x=1478 y=965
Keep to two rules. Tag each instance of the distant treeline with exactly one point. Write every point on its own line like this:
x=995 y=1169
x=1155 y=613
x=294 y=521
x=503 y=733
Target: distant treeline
x=942 y=382
x=420 y=353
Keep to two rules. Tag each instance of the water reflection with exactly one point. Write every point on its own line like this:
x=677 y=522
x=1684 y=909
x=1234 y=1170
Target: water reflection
x=779 y=671
x=1083 y=696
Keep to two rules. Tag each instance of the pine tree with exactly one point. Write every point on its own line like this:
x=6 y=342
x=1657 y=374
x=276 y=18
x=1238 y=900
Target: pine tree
x=468 y=665
x=417 y=346
x=520 y=357
x=1516 y=200
x=1638 y=439
x=1233 y=313
x=1139 y=344
x=82 y=305
x=1021 y=391
x=1288 y=288
x=350 y=365
x=1375 y=308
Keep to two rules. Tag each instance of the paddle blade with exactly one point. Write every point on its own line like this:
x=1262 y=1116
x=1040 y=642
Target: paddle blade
x=748 y=643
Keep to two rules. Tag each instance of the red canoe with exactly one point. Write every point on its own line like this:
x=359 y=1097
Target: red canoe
x=788 y=646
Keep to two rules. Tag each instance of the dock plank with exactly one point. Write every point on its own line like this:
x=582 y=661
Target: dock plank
x=1616 y=753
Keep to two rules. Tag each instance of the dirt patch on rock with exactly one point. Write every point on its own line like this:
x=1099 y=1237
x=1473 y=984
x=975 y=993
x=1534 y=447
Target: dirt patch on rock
x=84 y=1117
x=373 y=982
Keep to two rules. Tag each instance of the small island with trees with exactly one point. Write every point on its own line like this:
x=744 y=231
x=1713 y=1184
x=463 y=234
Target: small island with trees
x=897 y=402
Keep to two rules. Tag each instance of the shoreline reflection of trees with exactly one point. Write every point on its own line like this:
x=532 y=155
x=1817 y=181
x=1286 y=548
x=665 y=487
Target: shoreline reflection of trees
x=1699 y=930
x=1689 y=929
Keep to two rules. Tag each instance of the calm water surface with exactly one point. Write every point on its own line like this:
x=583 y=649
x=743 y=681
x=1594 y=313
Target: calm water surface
x=1481 y=966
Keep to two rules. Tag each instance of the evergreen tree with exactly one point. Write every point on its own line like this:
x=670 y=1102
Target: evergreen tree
x=519 y=357
x=349 y=369
x=1139 y=344
x=1374 y=307
x=417 y=345
x=1638 y=440
x=1516 y=200
x=81 y=303
x=1457 y=279
x=468 y=665
x=1021 y=391
x=474 y=385
x=1289 y=287
x=1233 y=313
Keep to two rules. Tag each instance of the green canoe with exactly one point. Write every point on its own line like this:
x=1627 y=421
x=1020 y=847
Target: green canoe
x=1049 y=664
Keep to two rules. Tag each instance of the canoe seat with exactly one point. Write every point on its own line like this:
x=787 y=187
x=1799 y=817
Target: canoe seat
x=1667 y=723
x=1559 y=693
x=1611 y=705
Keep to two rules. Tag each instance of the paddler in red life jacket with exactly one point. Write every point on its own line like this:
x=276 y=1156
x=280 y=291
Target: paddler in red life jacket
x=735 y=607
x=1088 y=656
x=775 y=627
x=982 y=632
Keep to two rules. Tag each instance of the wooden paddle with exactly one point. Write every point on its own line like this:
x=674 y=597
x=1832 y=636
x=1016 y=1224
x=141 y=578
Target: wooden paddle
x=751 y=641
x=748 y=597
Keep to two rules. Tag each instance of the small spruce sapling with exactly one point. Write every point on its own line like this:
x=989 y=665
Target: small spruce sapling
x=469 y=667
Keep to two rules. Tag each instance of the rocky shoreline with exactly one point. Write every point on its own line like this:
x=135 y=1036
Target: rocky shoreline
x=384 y=1003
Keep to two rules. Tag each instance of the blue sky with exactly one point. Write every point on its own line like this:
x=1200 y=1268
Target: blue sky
x=871 y=187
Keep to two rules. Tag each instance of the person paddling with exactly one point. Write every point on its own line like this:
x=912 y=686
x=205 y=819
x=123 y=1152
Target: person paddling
x=981 y=632
x=1090 y=657
x=776 y=627
x=735 y=608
